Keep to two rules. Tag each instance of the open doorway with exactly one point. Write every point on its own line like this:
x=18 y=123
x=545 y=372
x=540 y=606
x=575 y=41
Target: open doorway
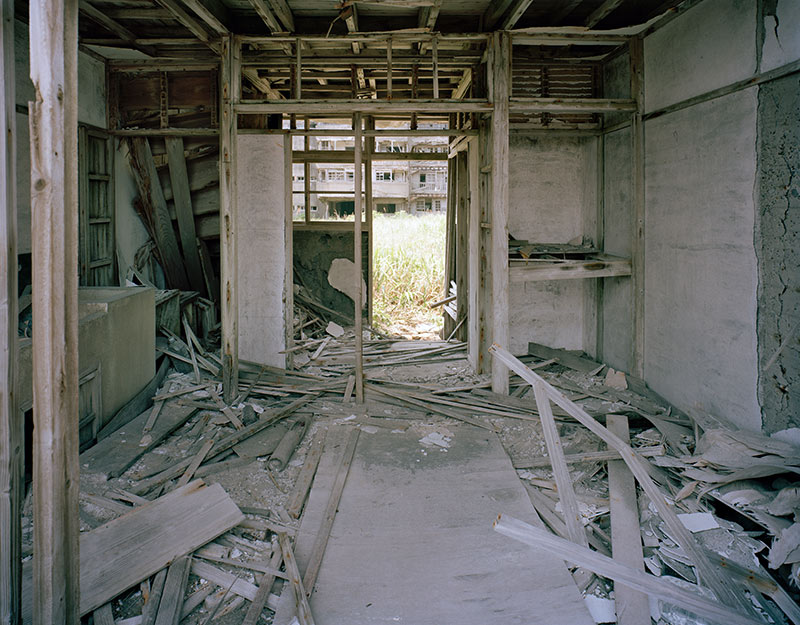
x=409 y=224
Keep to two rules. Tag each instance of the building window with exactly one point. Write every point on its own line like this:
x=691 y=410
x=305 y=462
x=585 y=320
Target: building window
x=325 y=144
x=422 y=178
x=385 y=176
x=437 y=205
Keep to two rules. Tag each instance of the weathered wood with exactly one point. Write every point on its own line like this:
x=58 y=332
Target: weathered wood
x=300 y=592
x=11 y=428
x=707 y=573
x=357 y=274
x=501 y=69
x=262 y=594
x=230 y=85
x=116 y=453
x=196 y=461
x=303 y=482
x=589 y=456
x=147 y=180
x=474 y=258
x=563 y=357
x=182 y=198
x=636 y=50
x=569 y=503
x=602 y=267
x=626 y=543
x=318 y=551
x=169 y=609
x=103 y=615
x=370 y=107
x=150 y=610
x=53 y=120
x=607 y=567
x=601 y=12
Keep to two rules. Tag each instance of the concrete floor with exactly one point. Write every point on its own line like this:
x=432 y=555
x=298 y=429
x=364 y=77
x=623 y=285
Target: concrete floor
x=413 y=543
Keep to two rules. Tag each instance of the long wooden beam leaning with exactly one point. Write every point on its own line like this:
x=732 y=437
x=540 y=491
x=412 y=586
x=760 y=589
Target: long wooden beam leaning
x=54 y=235
x=11 y=431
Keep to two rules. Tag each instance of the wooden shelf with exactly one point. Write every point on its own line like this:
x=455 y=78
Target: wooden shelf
x=593 y=266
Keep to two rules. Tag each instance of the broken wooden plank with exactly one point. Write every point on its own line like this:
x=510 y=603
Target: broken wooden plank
x=303 y=482
x=150 y=610
x=300 y=593
x=116 y=453
x=608 y=567
x=103 y=615
x=589 y=456
x=262 y=594
x=221 y=578
x=318 y=551
x=183 y=208
x=563 y=357
x=195 y=464
x=632 y=606
x=169 y=609
x=131 y=548
x=151 y=421
x=640 y=469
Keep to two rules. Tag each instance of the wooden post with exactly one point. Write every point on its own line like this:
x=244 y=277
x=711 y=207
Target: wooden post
x=229 y=91
x=357 y=303
x=369 y=149
x=54 y=236
x=501 y=60
x=11 y=431
x=600 y=243
x=637 y=181
x=474 y=256
x=435 y=54
x=288 y=242
x=389 y=69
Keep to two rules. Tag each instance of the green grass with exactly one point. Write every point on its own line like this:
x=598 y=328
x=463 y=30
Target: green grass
x=408 y=269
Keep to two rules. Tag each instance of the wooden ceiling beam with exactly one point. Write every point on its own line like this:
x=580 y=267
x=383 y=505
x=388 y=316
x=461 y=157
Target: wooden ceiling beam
x=261 y=83
x=138 y=14
x=266 y=13
x=188 y=22
x=494 y=12
x=111 y=25
x=284 y=13
x=514 y=13
x=601 y=12
x=213 y=13
x=350 y=17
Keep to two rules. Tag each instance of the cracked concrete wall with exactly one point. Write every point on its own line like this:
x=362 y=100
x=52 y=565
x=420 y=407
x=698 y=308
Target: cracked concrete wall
x=777 y=244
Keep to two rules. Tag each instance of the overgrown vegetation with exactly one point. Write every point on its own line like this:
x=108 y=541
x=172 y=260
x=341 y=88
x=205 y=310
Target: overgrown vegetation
x=408 y=272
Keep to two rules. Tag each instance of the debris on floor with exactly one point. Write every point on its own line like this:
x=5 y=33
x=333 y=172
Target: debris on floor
x=735 y=495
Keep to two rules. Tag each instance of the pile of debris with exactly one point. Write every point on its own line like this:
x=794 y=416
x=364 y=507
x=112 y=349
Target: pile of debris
x=189 y=505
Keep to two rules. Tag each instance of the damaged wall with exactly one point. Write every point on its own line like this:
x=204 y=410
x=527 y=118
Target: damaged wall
x=554 y=188
x=710 y=211
x=778 y=250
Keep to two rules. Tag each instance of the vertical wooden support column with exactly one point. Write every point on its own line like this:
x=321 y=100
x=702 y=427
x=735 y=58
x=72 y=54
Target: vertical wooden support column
x=11 y=430
x=600 y=243
x=501 y=61
x=288 y=242
x=298 y=70
x=474 y=256
x=369 y=149
x=357 y=301
x=54 y=236
x=389 y=68
x=435 y=55
x=229 y=92
x=637 y=181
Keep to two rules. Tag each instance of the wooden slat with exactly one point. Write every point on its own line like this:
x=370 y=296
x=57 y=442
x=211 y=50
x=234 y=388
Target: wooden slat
x=150 y=610
x=636 y=49
x=150 y=189
x=501 y=59
x=570 y=270
x=318 y=551
x=163 y=530
x=182 y=198
x=11 y=432
x=103 y=615
x=710 y=576
x=608 y=567
x=262 y=594
x=473 y=259
x=357 y=261
x=300 y=592
x=303 y=482
x=626 y=542
x=169 y=610
x=53 y=120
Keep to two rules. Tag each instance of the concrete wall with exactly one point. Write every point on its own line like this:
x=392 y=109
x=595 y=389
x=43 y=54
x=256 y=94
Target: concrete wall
x=718 y=190
x=778 y=249
x=261 y=248
x=553 y=190
x=116 y=332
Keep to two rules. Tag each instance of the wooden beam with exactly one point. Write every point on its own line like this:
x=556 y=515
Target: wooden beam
x=261 y=83
x=214 y=14
x=267 y=15
x=54 y=234
x=350 y=17
x=11 y=426
x=626 y=541
x=473 y=256
x=370 y=107
x=182 y=199
x=187 y=21
x=638 y=213
x=501 y=69
x=608 y=267
x=494 y=12
x=113 y=26
x=601 y=12
x=568 y=39
x=357 y=274
x=284 y=13
x=571 y=105
x=229 y=96
x=514 y=13
x=427 y=15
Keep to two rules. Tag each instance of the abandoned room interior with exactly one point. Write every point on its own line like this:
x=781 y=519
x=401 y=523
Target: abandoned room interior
x=211 y=410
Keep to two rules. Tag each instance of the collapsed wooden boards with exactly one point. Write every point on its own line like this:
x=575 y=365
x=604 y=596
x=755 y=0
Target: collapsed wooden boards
x=117 y=452
x=123 y=552
x=416 y=525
